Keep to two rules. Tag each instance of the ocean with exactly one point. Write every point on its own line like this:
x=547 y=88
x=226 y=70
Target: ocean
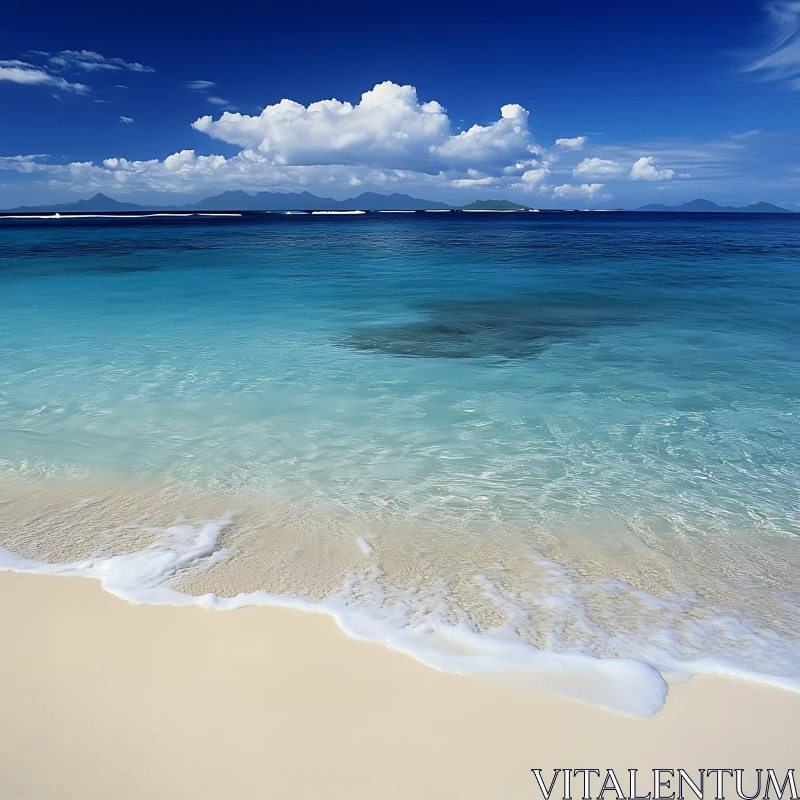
x=564 y=444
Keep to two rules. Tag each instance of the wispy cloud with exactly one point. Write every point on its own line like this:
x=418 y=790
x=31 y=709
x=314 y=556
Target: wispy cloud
x=90 y=61
x=779 y=60
x=26 y=74
x=126 y=119
x=203 y=86
x=714 y=158
x=55 y=65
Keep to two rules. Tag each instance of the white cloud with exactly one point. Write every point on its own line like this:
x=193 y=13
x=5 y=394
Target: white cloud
x=598 y=168
x=217 y=101
x=576 y=143
x=199 y=86
x=15 y=62
x=186 y=172
x=126 y=119
x=780 y=59
x=533 y=177
x=21 y=163
x=645 y=169
x=468 y=183
x=89 y=61
x=389 y=128
x=50 y=73
x=388 y=141
x=709 y=159
x=19 y=72
x=584 y=190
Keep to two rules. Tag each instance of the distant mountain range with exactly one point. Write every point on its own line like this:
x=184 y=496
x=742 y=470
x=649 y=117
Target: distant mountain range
x=368 y=201
x=701 y=205
x=262 y=201
x=305 y=201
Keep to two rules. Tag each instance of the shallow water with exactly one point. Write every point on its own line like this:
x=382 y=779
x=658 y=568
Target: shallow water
x=573 y=433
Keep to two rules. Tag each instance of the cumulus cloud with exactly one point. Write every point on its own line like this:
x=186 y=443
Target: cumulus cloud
x=780 y=59
x=645 y=169
x=29 y=75
x=90 y=61
x=186 y=172
x=531 y=178
x=389 y=128
x=390 y=140
x=576 y=143
x=598 y=168
x=126 y=119
x=199 y=86
x=584 y=190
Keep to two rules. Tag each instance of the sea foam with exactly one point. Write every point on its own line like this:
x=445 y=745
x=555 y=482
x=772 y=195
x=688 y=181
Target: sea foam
x=629 y=686
x=143 y=577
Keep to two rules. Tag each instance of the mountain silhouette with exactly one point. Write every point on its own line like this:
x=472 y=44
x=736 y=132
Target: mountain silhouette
x=709 y=206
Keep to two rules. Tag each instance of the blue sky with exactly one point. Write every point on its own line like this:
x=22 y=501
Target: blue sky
x=582 y=104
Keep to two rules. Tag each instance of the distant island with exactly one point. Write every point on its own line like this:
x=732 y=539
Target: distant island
x=98 y=203
x=708 y=206
x=367 y=201
x=494 y=205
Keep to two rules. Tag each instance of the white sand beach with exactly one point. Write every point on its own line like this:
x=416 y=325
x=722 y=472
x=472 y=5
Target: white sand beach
x=102 y=698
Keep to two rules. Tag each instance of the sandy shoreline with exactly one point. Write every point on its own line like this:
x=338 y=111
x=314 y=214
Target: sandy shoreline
x=102 y=698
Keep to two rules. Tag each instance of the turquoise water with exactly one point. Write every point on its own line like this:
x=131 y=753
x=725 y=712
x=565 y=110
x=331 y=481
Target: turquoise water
x=576 y=430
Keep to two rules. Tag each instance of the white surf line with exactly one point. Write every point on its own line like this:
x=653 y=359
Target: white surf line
x=396 y=211
x=338 y=212
x=624 y=685
x=93 y=216
x=111 y=216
